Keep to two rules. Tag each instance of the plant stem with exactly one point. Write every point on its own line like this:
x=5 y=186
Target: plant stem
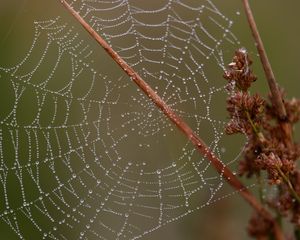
x=251 y=123
x=289 y=184
x=277 y=100
x=276 y=96
x=197 y=141
x=258 y=133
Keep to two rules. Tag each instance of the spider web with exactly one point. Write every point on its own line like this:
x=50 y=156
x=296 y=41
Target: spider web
x=86 y=155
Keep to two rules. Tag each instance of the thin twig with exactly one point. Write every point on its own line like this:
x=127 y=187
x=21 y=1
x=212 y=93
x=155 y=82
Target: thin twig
x=289 y=184
x=197 y=141
x=277 y=100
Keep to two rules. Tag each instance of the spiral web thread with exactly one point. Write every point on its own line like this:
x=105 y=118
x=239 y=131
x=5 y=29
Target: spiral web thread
x=84 y=154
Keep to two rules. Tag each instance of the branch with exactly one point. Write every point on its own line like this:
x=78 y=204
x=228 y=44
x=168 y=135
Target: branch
x=277 y=100
x=197 y=141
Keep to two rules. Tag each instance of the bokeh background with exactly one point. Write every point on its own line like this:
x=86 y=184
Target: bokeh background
x=278 y=22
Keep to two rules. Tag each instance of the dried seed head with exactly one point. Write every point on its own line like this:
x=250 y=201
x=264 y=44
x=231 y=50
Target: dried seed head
x=271 y=163
x=242 y=105
x=239 y=70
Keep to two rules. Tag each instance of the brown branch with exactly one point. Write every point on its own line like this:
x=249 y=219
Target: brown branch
x=277 y=100
x=276 y=96
x=197 y=141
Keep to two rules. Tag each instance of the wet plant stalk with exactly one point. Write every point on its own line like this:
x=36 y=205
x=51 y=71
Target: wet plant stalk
x=277 y=100
x=289 y=184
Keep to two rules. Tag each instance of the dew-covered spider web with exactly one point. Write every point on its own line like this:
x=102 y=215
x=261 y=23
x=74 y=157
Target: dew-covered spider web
x=84 y=154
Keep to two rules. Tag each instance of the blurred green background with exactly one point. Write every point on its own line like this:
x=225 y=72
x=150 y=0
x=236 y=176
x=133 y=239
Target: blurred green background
x=278 y=22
